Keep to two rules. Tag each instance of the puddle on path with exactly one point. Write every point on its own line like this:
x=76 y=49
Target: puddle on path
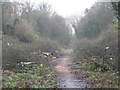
x=67 y=79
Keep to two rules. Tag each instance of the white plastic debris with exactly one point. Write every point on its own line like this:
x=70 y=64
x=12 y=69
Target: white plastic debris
x=46 y=53
x=26 y=62
x=53 y=57
x=41 y=65
x=111 y=58
x=8 y=44
x=107 y=47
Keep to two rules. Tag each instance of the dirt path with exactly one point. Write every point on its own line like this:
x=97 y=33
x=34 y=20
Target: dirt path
x=66 y=77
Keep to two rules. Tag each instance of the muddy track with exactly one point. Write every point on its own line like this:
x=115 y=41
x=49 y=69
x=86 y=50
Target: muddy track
x=65 y=73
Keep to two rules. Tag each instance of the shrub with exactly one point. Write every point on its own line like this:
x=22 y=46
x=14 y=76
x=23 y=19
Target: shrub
x=15 y=51
x=46 y=45
x=25 y=32
x=12 y=51
x=97 y=47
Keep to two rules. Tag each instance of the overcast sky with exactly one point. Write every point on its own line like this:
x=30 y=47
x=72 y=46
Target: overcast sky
x=67 y=7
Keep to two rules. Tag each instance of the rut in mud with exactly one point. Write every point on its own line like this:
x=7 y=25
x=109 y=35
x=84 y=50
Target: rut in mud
x=66 y=77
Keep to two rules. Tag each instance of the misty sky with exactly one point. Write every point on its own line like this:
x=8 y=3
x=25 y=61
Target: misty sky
x=67 y=7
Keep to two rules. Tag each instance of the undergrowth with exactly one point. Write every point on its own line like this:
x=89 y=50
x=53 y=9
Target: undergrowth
x=96 y=76
x=29 y=76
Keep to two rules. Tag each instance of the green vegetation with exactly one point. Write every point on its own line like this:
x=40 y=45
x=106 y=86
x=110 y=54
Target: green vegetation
x=29 y=76
x=97 y=77
x=95 y=20
x=103 y=47
x=39 y=35
x=27 y=30
x=96 y=50
x=35 y=35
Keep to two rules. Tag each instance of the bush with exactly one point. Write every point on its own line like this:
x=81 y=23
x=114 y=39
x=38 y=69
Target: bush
x=25 y=32
x=97 y=47
x=12 y=51
x=15 y=51
x=46 y=45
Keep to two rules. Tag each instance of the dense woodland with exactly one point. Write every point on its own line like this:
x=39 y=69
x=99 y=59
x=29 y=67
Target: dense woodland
x=98 y=33
x=27 y=30
x=39 y=34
